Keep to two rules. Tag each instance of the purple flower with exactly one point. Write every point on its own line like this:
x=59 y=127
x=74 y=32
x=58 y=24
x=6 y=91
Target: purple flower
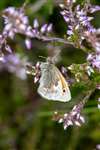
x=8 y=48
x=72 y=118
x=69 y=32
x=98 y=147
x=93 y=9
x=97 y=47
x=49 y=28
x=29 y=32
x=46 y=28
x=43 y=28
x=94 y=39
x=98 y=86
x=94 y=60
x=15 y=21
x=28 y=43
x=14 y=64
x=35 y=23
x=78 y=20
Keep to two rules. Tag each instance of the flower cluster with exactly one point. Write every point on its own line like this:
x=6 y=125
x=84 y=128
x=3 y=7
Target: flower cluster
x=13 y=63
x=94 y=60
x=78 y=20
x=94 y=40
x=16 y=21
x=72 y=118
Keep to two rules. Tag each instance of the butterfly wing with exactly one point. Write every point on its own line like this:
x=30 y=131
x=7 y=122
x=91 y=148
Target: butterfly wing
x=53 y=85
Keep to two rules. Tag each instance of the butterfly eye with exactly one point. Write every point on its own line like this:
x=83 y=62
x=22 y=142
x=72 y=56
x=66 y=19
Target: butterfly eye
x=64 y=90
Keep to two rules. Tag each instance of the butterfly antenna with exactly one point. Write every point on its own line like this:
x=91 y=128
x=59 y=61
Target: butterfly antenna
x=42 y=57
x=48 y=59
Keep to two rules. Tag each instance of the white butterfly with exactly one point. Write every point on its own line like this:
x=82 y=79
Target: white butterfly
x=53 y=85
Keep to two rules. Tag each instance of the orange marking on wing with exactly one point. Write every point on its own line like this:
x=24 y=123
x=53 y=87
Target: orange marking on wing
x=51 y=88
x=63 y=82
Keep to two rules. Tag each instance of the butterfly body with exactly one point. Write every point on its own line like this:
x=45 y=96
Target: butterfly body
x=53 y=85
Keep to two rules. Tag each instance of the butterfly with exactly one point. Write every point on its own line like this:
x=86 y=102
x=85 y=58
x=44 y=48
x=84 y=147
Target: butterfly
x=52 y=84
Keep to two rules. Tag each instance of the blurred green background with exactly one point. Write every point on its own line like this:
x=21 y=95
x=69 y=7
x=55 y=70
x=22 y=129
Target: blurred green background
x=26 y=118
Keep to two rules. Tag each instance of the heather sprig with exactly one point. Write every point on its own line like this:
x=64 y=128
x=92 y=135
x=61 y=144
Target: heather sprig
x=73 y=117
x=16 y=21
x=13 y=63
x=94 y=57
x=78 y=21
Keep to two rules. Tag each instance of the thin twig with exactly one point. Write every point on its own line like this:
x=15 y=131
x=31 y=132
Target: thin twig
x=86 y=98
x=54 y=39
